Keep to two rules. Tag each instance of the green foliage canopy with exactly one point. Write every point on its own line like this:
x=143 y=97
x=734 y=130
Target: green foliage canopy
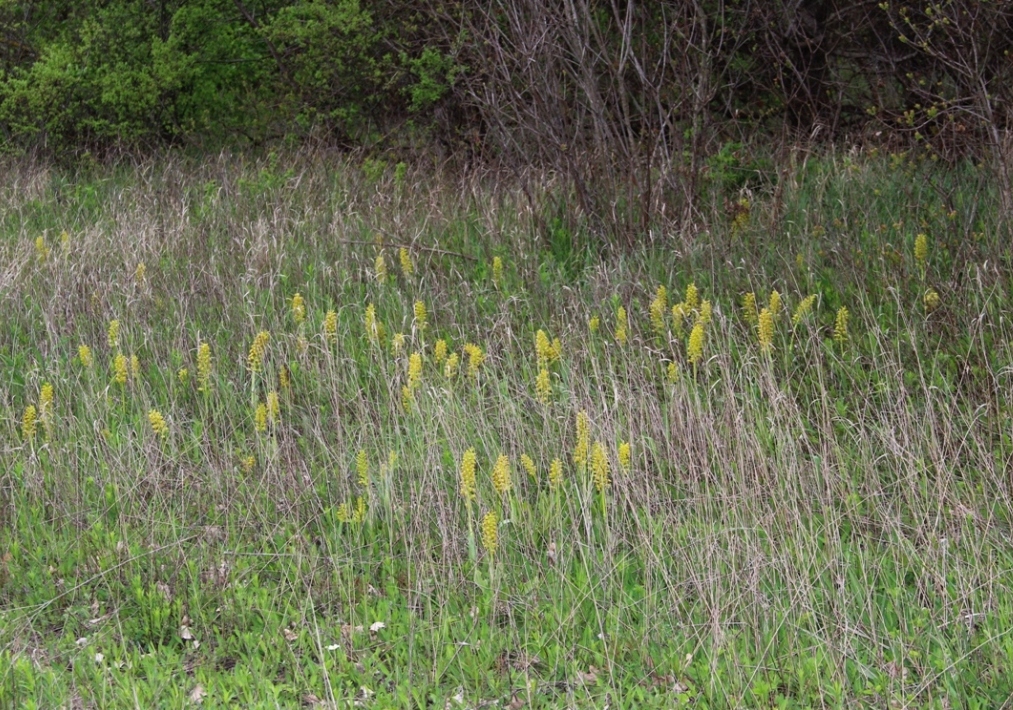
x=135 y=71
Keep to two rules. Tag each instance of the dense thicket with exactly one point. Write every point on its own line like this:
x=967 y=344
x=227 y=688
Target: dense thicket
x=100 y=71
x=633 y=103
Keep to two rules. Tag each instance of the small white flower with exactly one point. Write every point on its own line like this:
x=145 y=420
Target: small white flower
x=376 y=626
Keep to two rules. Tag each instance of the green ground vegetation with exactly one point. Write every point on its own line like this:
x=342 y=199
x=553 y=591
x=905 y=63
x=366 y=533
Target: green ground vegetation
x=687 y=491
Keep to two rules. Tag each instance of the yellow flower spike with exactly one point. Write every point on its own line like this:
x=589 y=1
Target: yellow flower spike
x=362 y=468
x=921 y=250
x=414 y=371
x=203 y=367
x=582 y=448
x=501 y=475
x=273 y=408
x=593 y=324
x=450 y=369
x=543 y=387
x=543 y=348
x=45 y=399
x=625 y=456
x=621 y=324
x=135 y=367
x=360 y=509
x=774 y=304
x=183 y=375
x=397 y=343
x=421 y=317
x=672 y=373
x=694 y=349
x=556 y=473
x=547 y=352
x=529 y=465
x=120 y=369
x=407 y=396
x=255 y=358
x=749 y=308
x=260 y=417
x=679 y=311
x=475 y=359
x=342 y=514
x=803 y=309
x=84 y=355
x=298 y=308
x=29 y=422
x=158 y=425
x=841 y=325
x=372 y=325
x=380 y=269
x=440 y=351
x=765 y=330
x=490 y=540
x=46 y=408
x=468 y=485
x=600 y=467
x=497 y=271
x=692 y=299
x=331 y=327
x=248 y=463
x=284 y=378
x=659 y=309
x=706 y=313
x=407 y=267
x=139 y=273
x=113 y=335
x=41 y=250
x=930 y=300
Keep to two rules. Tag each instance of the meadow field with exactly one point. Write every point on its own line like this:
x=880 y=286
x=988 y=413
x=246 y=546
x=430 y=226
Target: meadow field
x=300 y=431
